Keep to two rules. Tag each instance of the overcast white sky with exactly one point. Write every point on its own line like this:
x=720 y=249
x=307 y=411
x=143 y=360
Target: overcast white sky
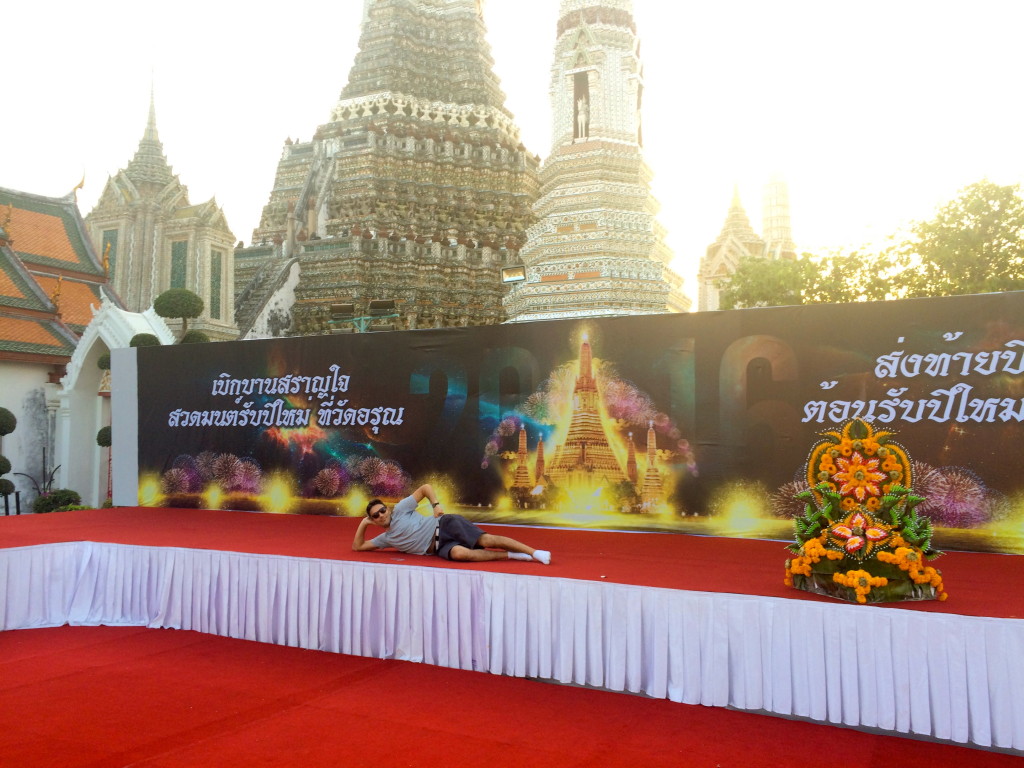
x=875 y=112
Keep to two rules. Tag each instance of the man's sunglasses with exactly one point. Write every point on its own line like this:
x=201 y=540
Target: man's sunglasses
x=378 y=512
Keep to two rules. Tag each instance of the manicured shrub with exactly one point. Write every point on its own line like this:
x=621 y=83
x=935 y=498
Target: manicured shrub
x=194 y=337
x=144 y=340
x=54 y=500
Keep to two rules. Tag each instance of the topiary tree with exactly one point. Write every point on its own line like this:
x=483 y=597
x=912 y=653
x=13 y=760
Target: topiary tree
x=7 y=424
x=179 y=303
x=103 y=437
x=144 y=340
x=194 y=337
x=104 y=362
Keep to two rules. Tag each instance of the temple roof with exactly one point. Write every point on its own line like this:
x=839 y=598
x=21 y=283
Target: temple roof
x=737 y=223
x=50 y=277
x=48 y=232
x=35 y=336
x=149 y=164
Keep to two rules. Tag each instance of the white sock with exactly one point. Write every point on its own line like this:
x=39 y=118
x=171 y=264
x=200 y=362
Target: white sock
x=518 y=556
x=542 y=556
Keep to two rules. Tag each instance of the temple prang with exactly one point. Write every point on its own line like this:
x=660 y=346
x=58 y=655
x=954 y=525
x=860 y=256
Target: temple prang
x=418 y=187
x=597 y=248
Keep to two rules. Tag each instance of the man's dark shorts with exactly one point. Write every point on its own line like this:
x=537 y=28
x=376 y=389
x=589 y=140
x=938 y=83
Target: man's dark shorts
x=455 y=530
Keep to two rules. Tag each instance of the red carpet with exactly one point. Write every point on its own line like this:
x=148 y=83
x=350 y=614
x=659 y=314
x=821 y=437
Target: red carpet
x=106 y=697
x=979 y=584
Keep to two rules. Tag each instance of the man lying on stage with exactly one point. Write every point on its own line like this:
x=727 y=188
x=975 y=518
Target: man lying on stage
x=452 y=537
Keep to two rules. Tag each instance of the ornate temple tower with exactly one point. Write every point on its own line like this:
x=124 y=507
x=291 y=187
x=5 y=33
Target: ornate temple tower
x=631 y=471
x=522 y=476
x=539 y=468
x=778 y=234
x=418 y=187
x=738 y=240
x=597 y=248
x=153 y=239
x=651 y=493
x=586 y=455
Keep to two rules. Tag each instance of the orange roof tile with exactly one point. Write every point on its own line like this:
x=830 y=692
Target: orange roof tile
x=8 y=287
x=40 y=234
x=17 y=331
x=75 y=298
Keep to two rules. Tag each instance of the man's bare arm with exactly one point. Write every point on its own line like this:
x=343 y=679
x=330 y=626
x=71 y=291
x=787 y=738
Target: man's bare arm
x=359 y=543
x=426 y=491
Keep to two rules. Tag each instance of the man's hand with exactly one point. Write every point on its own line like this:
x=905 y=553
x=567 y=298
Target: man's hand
x=438 y=510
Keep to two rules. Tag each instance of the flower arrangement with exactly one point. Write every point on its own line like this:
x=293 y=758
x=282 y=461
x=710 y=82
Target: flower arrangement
x=860 y=537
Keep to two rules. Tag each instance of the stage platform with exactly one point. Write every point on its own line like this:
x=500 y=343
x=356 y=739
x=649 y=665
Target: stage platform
x=691 y=619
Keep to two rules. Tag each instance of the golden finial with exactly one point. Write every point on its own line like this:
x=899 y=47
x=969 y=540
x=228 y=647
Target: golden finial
x=79 y=186
x=55 y=297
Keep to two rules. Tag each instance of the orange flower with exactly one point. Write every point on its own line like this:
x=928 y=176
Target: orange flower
x=860 y=581
x=873 y=504
x=859 y=478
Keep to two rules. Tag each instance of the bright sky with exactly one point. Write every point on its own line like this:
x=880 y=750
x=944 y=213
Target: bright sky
x=875 y=112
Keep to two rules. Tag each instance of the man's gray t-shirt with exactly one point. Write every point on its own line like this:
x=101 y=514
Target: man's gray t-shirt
x=409 y=531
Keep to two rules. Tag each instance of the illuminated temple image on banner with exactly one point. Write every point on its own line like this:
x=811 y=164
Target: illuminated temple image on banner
x=588 y=416
x=692 y=423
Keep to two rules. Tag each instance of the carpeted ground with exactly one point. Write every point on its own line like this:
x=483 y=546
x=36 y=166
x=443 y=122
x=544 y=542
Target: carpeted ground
x=108 y=697
x=979 y=584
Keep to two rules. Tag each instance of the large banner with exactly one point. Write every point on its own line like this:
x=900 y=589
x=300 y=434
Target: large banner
x=696 y=423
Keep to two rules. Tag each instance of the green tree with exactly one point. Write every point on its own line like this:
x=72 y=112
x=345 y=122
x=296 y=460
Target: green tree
x=974 y=244
x=760 y=282
x=179 y=303
x=842 y=277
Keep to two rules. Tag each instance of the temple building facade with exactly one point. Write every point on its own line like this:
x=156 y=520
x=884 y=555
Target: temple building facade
x=597 y=248
x=738 y=241
x=152 y=238
x=417 y=189
x=58 y=317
